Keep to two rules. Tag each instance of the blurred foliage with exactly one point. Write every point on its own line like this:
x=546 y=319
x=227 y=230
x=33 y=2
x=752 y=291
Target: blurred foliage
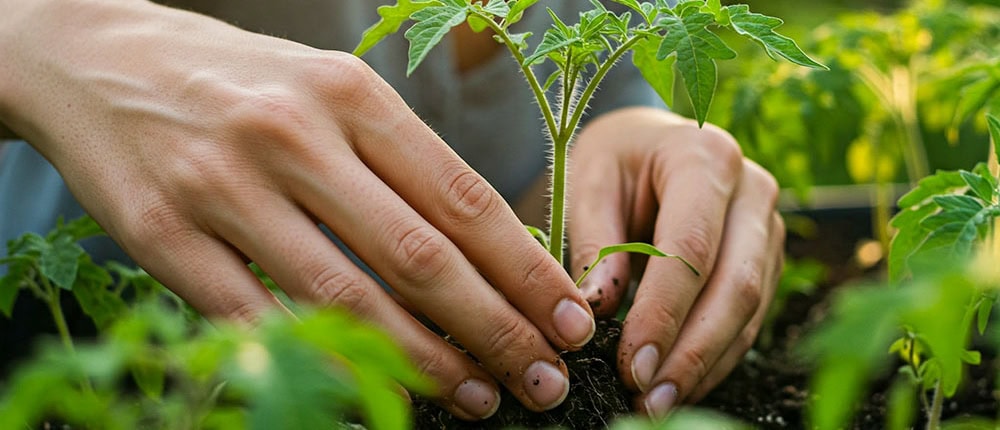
x=157 y=365
x=900 y=81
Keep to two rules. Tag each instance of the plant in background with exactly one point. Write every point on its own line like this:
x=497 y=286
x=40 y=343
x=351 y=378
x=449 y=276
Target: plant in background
x=663 y=39
x=945 y=237
x=901 y=86
x=287 y=373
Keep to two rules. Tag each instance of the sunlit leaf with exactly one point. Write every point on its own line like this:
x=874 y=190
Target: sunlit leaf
x=659 y=73
x=432 y=23
x=697 y=49
x=392 y=17
x=761 y=29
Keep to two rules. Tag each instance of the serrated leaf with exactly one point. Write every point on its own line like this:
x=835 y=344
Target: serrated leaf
x=975 y=97
x=497 y=8
x=635 y=248
x=697 y=49
x=552 y=41
x=477 y=23
x=959 y=203
x=392 y=17
x=658 y=73
x=979 y=185
x=940 y=183
x=909 y=234
x=432 y=23
x=95 y=298
x=60 y=261
x=760 y=28
x=994 y=125
x=517 y=10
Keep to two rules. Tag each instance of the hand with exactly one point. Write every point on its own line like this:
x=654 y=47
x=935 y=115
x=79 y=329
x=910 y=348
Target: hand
x=199 y=147
x=644 y=174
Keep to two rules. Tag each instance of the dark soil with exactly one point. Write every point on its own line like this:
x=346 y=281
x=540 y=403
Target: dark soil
x=768 y=390
x=596 y=395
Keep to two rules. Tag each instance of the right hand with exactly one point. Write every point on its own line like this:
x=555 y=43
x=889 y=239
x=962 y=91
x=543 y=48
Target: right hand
x=199 y=146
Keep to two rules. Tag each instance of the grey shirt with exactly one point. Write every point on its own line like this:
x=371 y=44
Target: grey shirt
x=486 y=114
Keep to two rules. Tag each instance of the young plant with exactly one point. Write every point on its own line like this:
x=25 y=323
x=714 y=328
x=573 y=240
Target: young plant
x=943 y=227
x=661 y=38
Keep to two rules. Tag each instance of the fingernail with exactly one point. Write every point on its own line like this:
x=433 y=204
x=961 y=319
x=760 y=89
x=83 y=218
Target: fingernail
x=477 y=398
x=573 y=324
x=661 y=400
x=545 y=384
x=644 y=365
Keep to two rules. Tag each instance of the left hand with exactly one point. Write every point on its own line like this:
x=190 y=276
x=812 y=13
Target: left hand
x=642 y=174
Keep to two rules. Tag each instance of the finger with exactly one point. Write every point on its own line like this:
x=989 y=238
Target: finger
x=428 y=270
x=735 y=292
x=203 y=271
x=699 y=186
x=599 y=213
x=738 y=349
x=310 y=268
x=416 y=164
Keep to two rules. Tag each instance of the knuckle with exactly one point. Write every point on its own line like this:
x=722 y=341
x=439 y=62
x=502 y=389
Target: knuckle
x=542 y=273
x=505 y=332
x=434 y=362
x=157 y=224
x=330 y=286
x=469 y=198
x=748 y=291
x=343 y=76
x=697 y=245
x=275 y=113
x=239 y=310
x=666 y=318
x=420 y=254
x=694 y=362
x=763 y=183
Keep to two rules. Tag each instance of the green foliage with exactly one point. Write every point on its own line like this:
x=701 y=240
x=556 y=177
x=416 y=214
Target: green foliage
x=943 y=217
x=635 y=248
x=683 y=419
x=306 y=372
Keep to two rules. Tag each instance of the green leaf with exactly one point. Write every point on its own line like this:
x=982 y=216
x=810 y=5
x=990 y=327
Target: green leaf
x=10 y=286
x=761 y=29
x=979 y=185
x=432 y=23
x=497 y=8
x=983 y=314
x=659 y=73
x=972 y=357
x=635 y=248
x=994 y=126
x=901 y=404
x=940 y=183
x=552 y=41
x=149 y=375
x=539 y=234
x=392 y=17
x=910 y=234
x=95 y=298
x=517 y=10
x=958 y=203
x=60 y=261
x=696 y=48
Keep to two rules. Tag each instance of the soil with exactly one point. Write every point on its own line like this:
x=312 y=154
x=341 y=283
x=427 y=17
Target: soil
x=769 y=389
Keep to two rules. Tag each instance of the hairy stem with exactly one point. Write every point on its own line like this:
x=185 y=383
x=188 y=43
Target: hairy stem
x=536 y=88
x=934 y=413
